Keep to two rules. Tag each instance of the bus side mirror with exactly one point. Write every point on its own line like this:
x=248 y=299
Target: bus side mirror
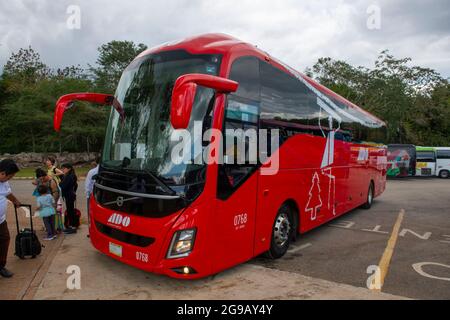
x=66 y=102
x=183 y=95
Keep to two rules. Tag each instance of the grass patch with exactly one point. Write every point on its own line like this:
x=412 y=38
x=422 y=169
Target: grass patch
x=30 y=172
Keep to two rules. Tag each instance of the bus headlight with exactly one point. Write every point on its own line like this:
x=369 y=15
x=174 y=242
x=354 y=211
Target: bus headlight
x=182 y=243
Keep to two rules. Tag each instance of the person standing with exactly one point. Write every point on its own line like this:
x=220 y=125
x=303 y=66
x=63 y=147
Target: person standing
x=89 y=182
x=69 y=188
x=47 y=211
x=44 y=178
x=52 y=170
x=8 y=168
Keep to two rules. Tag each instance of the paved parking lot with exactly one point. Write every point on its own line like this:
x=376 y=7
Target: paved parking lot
x=343 y=249
x=331 y=262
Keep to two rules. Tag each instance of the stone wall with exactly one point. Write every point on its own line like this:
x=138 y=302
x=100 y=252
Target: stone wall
x=25 y=160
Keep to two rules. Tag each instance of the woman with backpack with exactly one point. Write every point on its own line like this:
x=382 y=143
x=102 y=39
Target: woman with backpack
x=69 y=188
x=52 y=170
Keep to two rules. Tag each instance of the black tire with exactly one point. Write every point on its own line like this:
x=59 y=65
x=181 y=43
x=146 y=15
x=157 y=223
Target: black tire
x=282 y=233
x=444 y=174
x=369 y=199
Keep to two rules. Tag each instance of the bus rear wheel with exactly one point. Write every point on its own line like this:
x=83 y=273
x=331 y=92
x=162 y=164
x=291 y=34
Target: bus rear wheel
x=444 y=174
x=369 y=200
x=282 y=232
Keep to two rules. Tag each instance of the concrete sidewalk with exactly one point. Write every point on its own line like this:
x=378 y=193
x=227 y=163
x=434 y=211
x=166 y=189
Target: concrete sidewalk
x=28 y=273
x=105 y=278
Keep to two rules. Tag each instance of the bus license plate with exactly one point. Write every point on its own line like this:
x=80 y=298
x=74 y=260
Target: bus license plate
x=115 y=249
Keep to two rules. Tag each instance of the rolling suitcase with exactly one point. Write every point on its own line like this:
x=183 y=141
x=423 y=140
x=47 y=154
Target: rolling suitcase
x=27 y=243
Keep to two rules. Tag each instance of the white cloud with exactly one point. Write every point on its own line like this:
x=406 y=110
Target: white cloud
x=296 y=32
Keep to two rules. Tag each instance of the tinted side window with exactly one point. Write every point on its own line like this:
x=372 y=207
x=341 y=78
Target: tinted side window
x=443 y=154
x=426 y=156
x=287 y=103
x=241 y=113
x=246 y=71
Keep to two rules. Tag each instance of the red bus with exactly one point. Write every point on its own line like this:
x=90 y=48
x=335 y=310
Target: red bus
x=193 y=219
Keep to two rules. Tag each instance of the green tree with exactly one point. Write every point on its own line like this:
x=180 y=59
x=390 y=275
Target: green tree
x=113 y=58
x=25 y=66
x=29 y=91
x=411 y=99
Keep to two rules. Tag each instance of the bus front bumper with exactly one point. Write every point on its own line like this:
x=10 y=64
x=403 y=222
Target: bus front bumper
x=152 y=257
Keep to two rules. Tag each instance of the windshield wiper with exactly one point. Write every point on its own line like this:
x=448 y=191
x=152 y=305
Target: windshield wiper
x=158 y=180
x=161 y=183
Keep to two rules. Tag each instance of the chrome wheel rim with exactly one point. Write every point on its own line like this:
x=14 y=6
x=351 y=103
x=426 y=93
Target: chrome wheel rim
x=282 y=229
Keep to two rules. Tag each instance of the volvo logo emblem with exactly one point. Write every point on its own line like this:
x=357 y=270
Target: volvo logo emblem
x=119 y=201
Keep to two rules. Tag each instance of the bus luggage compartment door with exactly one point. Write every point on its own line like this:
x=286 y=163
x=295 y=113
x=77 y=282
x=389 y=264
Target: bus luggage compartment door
x=235 y=216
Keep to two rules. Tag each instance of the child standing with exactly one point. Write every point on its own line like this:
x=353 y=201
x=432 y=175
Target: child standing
x=45 y=203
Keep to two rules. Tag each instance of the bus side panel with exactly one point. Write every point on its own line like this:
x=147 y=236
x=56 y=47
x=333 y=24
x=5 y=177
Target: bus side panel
x=379 y=168
x=341 y=175
x=366 y=164
x=314 y=190
x=359 y=176
x=273 y=191
x=300 y=179
x=426 y=169
x=348 y=176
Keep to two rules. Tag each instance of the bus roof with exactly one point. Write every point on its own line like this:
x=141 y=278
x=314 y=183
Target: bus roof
x=217 y=43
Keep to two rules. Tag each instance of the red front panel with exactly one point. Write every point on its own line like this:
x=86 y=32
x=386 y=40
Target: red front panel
x=154 y=228
x=153 y=258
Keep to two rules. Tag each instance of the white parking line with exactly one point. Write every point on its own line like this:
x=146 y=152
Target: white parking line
x=419 y=270
x=295 y=249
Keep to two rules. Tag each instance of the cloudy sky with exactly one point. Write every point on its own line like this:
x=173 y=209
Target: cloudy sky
x=297 y=32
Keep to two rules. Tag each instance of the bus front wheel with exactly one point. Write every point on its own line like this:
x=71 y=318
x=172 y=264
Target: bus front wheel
x=369 y=200
x=282 y=232
x=444 y=174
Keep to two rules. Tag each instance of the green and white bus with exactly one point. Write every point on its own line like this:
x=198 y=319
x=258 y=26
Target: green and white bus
x=433 y=161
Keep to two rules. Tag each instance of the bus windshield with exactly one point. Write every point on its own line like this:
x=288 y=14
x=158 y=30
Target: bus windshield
x=140 y=141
